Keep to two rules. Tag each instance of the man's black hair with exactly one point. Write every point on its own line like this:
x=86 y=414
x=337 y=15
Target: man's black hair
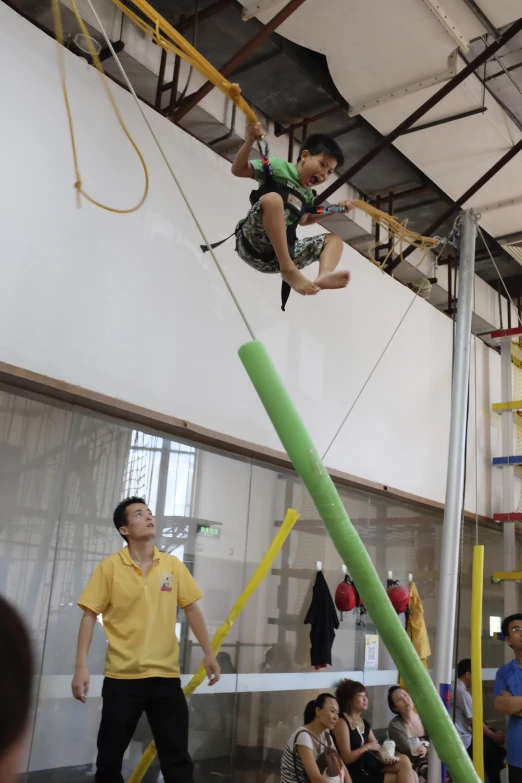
x=507 y=621
x=321 y=143
x=464 y=667
x=120 y=512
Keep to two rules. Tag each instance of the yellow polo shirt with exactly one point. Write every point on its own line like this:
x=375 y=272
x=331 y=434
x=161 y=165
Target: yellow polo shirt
x=139 y=613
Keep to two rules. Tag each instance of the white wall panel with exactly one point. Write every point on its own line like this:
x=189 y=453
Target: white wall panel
x=127 y=305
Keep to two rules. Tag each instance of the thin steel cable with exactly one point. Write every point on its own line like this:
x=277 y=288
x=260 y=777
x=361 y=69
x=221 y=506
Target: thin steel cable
x=481 y=234
x=475 y=416
x=174 y=177
x=365 y=384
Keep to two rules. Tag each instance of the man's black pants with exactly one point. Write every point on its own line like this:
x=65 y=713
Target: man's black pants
x=163 y=702
x=515 y=774
x=494 y=756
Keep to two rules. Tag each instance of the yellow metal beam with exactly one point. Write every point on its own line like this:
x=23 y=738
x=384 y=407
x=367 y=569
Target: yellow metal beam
x=508 y=576
x=514 y=405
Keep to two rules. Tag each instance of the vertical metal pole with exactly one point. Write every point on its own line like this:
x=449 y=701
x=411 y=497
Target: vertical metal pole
x=449 y=559
x=390 y=212
x=510 y=599
x=161 y=79
x=377 y=231
x=450 y=292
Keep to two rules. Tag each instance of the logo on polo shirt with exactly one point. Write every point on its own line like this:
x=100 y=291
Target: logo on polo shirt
x=166 y=583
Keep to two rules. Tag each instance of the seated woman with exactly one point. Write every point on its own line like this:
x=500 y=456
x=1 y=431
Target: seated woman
x=407 y=731
x=357 y=745
x=16 y=673
x=310 y=755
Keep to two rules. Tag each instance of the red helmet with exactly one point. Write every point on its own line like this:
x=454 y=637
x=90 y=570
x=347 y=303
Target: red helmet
x=400 y=598
x=345 y=596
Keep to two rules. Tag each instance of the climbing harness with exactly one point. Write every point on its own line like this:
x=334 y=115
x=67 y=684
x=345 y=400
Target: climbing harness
x=293 y=201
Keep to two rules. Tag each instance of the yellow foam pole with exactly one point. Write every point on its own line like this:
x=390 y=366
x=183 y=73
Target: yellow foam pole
x=259 y=574
x=476 y=659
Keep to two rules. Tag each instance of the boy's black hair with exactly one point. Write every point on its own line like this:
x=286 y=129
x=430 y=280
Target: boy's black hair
x=120 y=512
x=464 y=667
x=16 y=676
x=507 y=621
x=321 y=143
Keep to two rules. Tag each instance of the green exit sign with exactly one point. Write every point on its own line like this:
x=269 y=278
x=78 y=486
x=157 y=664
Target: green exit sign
x=209 y=531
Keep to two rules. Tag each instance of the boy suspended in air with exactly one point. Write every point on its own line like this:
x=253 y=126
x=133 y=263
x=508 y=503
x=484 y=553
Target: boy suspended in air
x=266 y=239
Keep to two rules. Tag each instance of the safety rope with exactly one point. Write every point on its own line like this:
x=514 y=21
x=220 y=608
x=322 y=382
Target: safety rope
x=438 y=241
x=171 y=170
x=403 y=235
x=368 y=379
x=168 y=38
x=97 y=62
x=481 y=234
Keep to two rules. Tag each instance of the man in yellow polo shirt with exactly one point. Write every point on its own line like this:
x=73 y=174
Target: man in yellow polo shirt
x=137 y=591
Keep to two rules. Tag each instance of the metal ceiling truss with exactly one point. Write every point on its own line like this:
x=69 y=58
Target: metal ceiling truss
x=424 y=108
x=234 y=62
x=408 y=89
x=484 y=20
x=510 y=154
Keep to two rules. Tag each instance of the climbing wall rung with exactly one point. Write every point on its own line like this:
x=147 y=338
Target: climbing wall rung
x=514 y=405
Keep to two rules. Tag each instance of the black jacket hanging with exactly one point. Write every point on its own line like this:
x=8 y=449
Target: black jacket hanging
x=322 y=616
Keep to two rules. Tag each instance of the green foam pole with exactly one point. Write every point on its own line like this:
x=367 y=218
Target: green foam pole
x=307 y=462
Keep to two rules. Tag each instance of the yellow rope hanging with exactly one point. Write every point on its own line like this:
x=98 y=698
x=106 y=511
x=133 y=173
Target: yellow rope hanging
x=97 y=62
x=168 y=38
x=400 y=231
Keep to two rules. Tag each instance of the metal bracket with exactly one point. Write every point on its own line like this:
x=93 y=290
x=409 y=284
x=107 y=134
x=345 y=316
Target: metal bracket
x=409 y=88
x=447 y=22
x=510 y=202
x=443 y=120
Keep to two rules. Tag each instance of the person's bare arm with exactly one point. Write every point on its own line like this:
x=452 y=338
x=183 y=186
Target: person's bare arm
x=308 y=220
x=82 y=678
x=507 y=704
x=197 y=624
x=241 y=166
x=310 y=764
x=342 y=737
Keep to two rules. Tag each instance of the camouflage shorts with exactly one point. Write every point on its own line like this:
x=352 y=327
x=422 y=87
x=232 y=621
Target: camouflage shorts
x=307 y=250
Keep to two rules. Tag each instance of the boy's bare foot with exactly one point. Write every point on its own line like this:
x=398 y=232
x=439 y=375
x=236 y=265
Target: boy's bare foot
x=299 y=282
x=333 y=279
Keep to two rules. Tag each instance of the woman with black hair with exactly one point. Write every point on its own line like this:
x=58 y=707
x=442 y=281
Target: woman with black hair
x=16 y=675
x=310 y=755
x=407 y=731
x=357 y=745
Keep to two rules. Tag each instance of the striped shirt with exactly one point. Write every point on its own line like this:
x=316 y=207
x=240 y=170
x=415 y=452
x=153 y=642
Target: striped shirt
x=292 y=770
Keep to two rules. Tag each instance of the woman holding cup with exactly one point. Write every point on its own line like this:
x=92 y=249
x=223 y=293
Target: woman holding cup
x=366 y=761
x=407 y=731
